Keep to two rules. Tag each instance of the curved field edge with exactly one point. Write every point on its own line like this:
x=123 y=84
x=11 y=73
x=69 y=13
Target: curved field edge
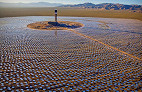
x=75 y=12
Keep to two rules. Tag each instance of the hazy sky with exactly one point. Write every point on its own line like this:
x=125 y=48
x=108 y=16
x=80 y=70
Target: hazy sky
x=77 y=1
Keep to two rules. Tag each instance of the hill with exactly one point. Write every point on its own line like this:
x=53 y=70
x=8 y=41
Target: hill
x=38 y=4
x=106 y=6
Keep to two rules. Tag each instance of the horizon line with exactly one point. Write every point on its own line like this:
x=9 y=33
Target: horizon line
x=65 y=4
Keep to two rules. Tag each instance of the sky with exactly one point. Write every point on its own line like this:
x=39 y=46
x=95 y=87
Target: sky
x=76 y=1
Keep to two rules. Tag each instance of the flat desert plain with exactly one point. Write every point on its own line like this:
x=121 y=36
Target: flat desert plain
x=103 y=55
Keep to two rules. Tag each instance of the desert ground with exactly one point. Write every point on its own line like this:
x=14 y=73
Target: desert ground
x=74 y=12
x=103 y=55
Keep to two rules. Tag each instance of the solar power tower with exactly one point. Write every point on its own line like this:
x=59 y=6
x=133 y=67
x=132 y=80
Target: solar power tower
x=55 y=15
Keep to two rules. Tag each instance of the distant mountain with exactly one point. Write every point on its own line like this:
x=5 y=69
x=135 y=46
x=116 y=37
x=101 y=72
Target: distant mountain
x=38 y=4
x=106 y=6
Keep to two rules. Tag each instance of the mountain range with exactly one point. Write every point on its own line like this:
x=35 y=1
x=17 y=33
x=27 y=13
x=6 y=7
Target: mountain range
x=38 y=4
x=106 y=6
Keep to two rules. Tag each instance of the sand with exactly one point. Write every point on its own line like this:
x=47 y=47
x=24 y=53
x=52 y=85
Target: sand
x=50 y=25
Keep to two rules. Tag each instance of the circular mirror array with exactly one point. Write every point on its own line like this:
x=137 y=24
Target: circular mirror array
x=38 y=60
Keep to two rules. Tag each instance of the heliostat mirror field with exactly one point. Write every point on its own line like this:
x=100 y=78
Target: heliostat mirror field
x=103 y=55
